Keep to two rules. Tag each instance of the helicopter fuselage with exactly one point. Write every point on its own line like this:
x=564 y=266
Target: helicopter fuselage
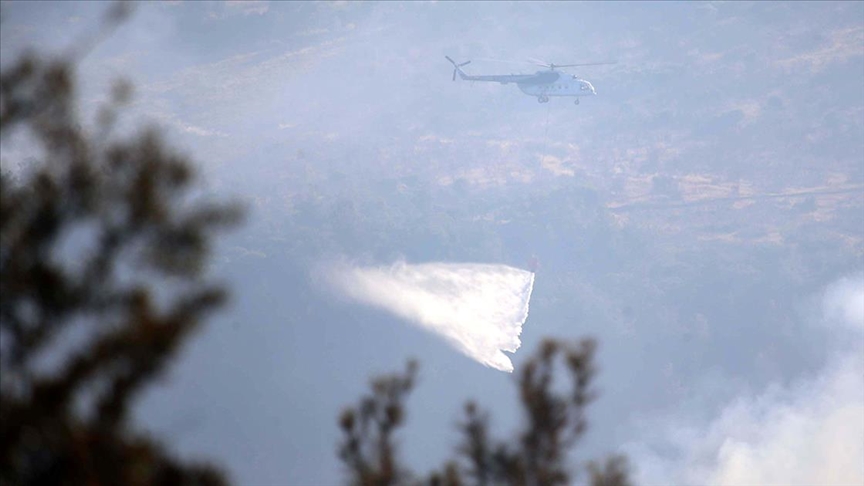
x=557 y=84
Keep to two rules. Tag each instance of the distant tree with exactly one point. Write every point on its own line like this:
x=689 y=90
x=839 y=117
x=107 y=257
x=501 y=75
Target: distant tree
x=102 y=252
x=555 y=423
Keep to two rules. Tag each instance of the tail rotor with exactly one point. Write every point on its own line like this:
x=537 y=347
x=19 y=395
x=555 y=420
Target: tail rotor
x=456 y=66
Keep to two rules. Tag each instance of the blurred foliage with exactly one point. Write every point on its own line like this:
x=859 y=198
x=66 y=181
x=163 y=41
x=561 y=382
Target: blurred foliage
x=102 y=260
x=555 y=421
x=368 y=447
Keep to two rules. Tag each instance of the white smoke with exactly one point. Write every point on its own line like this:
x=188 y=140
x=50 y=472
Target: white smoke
x=803 y=433
x=843 y=303
x=477 y=308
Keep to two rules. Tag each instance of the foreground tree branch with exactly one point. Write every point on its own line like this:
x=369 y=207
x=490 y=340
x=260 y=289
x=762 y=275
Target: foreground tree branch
x=98 y=240
x=554 y=423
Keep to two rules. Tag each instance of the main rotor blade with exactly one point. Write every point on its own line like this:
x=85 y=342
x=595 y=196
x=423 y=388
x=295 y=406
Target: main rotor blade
x=521 y=63
x=451 y=60
x=464 y=63
x=539 y=62
x=587 y=64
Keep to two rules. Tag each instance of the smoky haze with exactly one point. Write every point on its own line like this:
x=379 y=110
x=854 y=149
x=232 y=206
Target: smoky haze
x=702 y=217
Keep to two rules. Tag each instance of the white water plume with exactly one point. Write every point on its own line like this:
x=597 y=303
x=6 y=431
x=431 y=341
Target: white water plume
x=478 y=308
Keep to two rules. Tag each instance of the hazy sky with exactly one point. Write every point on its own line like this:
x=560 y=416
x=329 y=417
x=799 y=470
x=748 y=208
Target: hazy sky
x=702 y=217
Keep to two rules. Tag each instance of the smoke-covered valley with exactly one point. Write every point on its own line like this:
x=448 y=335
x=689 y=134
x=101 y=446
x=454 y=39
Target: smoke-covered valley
x=690 y=216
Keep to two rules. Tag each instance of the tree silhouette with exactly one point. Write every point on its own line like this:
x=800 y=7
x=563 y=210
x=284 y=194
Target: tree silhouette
x=102 y=258
x=368 y=448
x=554 y=423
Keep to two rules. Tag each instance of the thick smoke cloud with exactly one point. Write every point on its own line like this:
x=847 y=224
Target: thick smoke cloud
x=807 y=432
x=477 y=308
x=843 y=304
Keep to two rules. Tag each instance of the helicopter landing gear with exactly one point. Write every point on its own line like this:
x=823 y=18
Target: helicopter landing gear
x=576 y=102
x=542 y=99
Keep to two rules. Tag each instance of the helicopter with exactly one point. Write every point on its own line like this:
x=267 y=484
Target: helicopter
x=541 y=84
